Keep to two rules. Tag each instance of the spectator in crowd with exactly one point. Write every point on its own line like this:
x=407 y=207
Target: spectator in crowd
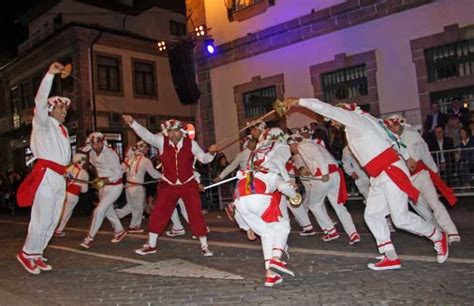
x=319 y=132
x=435 y=118
x=439 y=145
x=337 y=144
x=219 y=164
x=452 y=130
x=466 y=160
x=460 y=111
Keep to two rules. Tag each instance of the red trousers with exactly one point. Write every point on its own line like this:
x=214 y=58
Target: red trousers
x=165 y=203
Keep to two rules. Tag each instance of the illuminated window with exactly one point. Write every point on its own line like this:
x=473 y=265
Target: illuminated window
x=345 y=83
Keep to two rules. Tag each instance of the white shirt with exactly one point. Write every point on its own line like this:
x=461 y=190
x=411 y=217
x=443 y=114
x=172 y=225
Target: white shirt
x=158 y=142
x=273 y=159
x=365 y=136
x=417 y=147
x=138 y=166
x=107 y=164
x=351 y=165
x=240 y=161
x=315 y=157
x=47 y=140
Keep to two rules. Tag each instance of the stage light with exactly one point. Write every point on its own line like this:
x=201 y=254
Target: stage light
x=210 y=48
x=161 y=46
x=200 y=30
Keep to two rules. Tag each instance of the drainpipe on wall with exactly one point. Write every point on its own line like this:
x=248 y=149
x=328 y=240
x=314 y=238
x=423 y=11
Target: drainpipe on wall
x=91 y=77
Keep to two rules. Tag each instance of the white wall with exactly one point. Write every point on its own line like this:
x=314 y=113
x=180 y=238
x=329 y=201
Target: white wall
x=389 y=36
x=283 y=10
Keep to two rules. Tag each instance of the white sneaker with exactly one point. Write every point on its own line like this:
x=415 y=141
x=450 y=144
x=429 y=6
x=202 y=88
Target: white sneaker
x=454 y=238
x=205 y=251
x=174 y=233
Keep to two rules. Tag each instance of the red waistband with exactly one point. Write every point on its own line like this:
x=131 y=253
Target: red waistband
x=73 y=189
x=44 y=163
x=331 y=169
x=381 y=162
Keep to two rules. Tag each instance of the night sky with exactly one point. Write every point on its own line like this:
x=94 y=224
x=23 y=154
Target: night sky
x=13 y=34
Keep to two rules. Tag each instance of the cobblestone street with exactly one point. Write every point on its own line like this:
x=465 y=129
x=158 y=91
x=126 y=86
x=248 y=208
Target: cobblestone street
x=326 y=273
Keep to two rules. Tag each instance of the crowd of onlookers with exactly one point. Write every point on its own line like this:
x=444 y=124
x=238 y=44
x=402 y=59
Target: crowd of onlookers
x=449 y=137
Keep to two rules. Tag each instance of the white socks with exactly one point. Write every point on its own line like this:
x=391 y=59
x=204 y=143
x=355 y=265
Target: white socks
x=152 y=238
x=203 y=241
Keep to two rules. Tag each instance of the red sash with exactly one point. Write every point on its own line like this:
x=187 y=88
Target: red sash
x=444 y=189
x=272 y=213
x=73 y=189
x=342 y=194
x=27 y=190
x=383 y=162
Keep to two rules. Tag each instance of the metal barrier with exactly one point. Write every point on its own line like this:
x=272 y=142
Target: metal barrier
x=456 y=168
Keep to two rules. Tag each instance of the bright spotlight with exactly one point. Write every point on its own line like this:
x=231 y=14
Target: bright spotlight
x=161 y=46
x=210 y=48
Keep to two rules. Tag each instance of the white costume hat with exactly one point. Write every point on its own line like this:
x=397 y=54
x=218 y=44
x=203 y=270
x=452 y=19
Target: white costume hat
x=276 y=134
x=395 y=120
x=95 y=137
x=56 y=100
x=172 y=124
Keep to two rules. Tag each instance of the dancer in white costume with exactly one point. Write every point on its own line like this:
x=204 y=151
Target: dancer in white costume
x=424 y=175
x=73 y=189
x=259 y=191
x=45 y=186
x=107 y=164
x=331 y=184
x=390 y=185
x=136 y=166
x=240 y=161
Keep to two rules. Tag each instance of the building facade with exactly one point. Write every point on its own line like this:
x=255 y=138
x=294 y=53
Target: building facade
x=117 y=69
x=390 y=56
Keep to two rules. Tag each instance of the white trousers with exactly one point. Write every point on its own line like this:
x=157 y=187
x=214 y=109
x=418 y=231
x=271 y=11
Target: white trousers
x=319 y=190
x=69 y=205
x=105 y=209
x=430 y=206
x=45 y=213
x=273 y=235
x=135 y=205
x=386 y=198
x=177 y=225
x=363 y=186
x=300 y=213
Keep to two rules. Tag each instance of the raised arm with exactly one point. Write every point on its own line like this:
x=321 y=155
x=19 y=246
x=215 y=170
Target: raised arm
x=41 y=98
x=346 y=117
x=147 y=136
x=232 y=166
x=204 y=158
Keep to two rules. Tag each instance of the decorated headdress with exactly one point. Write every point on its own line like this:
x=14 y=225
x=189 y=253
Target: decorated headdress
x=172 y=124
x=95 y=137
x=53 y=101
x=394 y=120
x=276 y=134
